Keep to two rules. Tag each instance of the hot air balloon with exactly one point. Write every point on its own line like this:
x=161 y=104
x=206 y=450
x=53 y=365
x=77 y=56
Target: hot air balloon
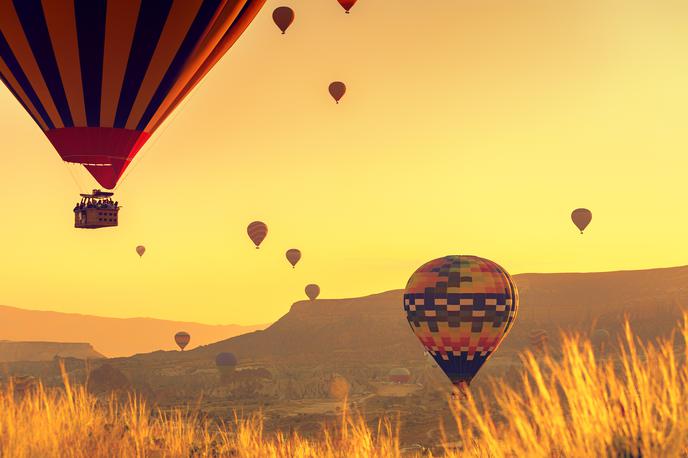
x=460 y=308
x=257 y=231
x=399 y=375
x=293 y=256
x=312 y=291
x=283 y=17
x=225 y=362
x=99 y=77
x=337 y=90
x=347 y=4
x=182 y=339
x=338 y=387
x=581 y=217
x=140 y=250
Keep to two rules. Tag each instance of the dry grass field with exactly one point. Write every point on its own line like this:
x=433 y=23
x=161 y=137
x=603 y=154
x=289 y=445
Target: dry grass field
x=575 y=405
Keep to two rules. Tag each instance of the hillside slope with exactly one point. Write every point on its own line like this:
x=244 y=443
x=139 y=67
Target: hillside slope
x=111 y=336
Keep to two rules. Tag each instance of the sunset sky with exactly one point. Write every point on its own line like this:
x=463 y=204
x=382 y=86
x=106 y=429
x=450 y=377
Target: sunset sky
x=469 y=127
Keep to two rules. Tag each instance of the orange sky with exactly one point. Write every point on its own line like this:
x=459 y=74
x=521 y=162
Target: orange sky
x=469 y=127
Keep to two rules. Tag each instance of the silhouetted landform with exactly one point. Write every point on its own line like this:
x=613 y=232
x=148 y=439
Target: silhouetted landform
x=45 y=351
x=290 y=370
x=111 y=336
x=374 y=328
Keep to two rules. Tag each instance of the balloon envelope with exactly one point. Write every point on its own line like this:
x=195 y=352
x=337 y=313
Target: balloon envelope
x=338 y=387
x=140 y=250
x=99 y=77
x=257 y=231
x=312 y=291
x=293 y=256
x=225 y=359
x=581 y=217
x=283 y=17
x=182 y=339
x=337 y=90
x=460 y=308
x=347 y=4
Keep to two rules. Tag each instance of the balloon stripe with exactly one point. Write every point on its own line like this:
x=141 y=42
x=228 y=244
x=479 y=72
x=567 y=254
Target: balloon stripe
x=21 y=61
x=16 y=89
x=248 y=12
x=30 y=14
x=200 y=24
x=90 y=19
x=149 y=27
x=61 y=26
x=221 y=21
x=120 y=25
x=179 y=20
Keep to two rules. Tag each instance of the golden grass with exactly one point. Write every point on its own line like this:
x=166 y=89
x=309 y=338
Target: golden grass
x=573 y=406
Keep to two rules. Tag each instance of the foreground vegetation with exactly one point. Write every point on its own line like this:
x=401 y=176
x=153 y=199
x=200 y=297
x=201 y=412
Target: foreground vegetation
x=576 y=405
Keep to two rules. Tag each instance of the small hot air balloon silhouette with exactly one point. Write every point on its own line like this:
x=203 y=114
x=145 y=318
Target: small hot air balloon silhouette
x=140 y=250
x=460 y=308
x=257 y=231
x=337 y=90
x=293 y=256
x=182 y=339
x=338 y=387
x=347 y=4
x=312 y=291
x=581 y=217
x=225 y=362
x=283 y=17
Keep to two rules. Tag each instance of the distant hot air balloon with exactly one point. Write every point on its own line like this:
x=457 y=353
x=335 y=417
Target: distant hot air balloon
x=293 y=256
x=460 y=308
x=312 y=291
x=140 y=250
x=225 y=362
x=99 y=77
x=283 y=17
x=337 y=90
x=399 y=375
x=338 y=387
x=257 y=231
x=581 y=217
x=347 y=4
x=182 y=339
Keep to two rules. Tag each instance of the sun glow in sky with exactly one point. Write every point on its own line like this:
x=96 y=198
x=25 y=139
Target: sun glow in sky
x=469 y=127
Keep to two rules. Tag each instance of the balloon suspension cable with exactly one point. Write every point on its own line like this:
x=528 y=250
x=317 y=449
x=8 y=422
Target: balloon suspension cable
x=154 y=142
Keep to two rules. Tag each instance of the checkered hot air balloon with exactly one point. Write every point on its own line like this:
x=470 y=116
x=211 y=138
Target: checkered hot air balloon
x=100 y=76
x=460 y=308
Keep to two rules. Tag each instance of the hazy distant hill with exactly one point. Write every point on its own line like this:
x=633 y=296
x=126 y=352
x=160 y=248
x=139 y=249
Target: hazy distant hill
x=374 y=328
x=111 y=336
x=45 y=351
